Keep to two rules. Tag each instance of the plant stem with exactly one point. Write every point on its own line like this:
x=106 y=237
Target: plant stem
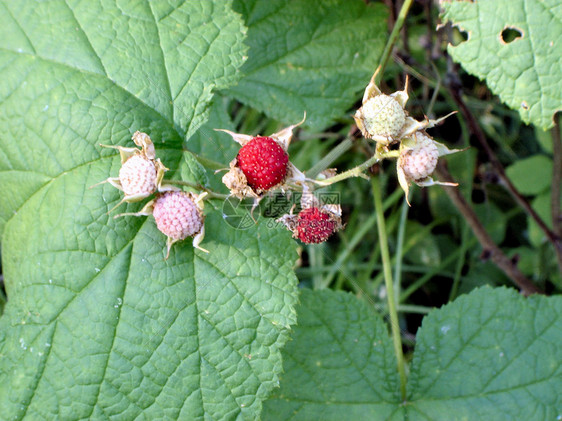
x=354 y=172
x=555 y=240
x=491 y=249
x=346 y=144
x=385 y=255
x=399 y=248
x=211 y=194
x=326 y=161
x=360 y=169
x=392 y=39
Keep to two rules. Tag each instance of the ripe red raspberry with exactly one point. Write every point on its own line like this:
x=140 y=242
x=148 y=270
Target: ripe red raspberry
x=138 y=176
x=177 y=215
x=264 y=163
x=315 y=226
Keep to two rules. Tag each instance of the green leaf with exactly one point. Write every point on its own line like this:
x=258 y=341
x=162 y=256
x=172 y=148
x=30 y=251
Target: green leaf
x=526 y=72
x=2 y=302
x=339 y=365
x=313 y=58
x=165 y=58
x=490 y=355
x=97 y=324
x=541 y=205
x=210 y=144
x=192 y=171
x=532 y=175
x=493 y=220
x=215 y=148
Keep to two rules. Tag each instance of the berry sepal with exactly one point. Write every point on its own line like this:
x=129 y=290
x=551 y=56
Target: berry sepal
x=418 y=158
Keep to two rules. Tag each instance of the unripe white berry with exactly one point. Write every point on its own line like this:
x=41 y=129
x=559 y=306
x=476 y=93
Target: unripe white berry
x=383 y=116
x=419 y=162
x=177 y=215
x=138 y=176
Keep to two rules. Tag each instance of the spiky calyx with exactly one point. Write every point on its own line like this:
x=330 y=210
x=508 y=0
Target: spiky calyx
x=138 y=176
x=315 y=226
x=419 y=162
x=177 y=216
x=264 y=163
x=383 y=116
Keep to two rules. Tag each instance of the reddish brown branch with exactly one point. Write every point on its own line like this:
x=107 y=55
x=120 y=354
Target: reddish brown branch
x=556 y=179
x=507 y=265
x=476 y=130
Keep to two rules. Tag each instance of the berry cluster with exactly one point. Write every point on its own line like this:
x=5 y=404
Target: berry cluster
x=262 y=165
x=383 y=118
x=177 y=214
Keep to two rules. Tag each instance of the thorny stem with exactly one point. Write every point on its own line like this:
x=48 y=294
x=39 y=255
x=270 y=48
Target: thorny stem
x=211 y=194
x=475 y=128
x=391 y=298
x=491 y=250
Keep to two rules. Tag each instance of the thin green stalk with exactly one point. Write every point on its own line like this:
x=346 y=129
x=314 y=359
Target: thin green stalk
x=359 y=170
x=326 y=161
x=347 y=142
x=460 y=262
x=211 y=194
x=399 y=247
x=392 y=39
x=424 y=279
x=405 y=308
x=316 y=257
x=385 y=255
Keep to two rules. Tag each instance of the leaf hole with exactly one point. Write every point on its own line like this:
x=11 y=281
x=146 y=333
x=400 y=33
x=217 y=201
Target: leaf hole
x=458 y=36
x=510 y=34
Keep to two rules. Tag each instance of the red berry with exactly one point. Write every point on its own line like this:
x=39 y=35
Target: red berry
x=315 y=226
x=263 y=162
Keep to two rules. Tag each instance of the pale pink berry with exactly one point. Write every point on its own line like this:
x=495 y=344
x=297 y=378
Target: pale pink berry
x=177 y=215
x=419 y=162
x=138 y=176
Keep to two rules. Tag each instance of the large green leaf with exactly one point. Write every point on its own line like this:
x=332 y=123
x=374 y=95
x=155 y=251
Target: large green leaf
x=163 y=57
x=489 y=355
x=339 y=365
x=312 y=57
x=97 y=324
x=531 y=175
x=525 y=72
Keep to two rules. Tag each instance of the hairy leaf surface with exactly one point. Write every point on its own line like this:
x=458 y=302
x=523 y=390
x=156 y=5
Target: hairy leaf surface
x=491 y=354
x=515 y=45
x=97 y=324
x=312 y=57
x=340 y=363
